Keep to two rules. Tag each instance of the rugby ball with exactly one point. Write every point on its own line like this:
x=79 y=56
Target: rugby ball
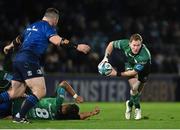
x=104 y=68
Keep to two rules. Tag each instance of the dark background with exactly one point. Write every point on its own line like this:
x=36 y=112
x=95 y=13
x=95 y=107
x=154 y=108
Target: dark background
x=97 y=22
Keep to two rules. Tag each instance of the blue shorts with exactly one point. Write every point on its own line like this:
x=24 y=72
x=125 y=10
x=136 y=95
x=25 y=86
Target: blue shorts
x=26 y=70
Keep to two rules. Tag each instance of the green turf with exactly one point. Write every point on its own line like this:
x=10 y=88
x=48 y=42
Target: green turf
x=155 y=115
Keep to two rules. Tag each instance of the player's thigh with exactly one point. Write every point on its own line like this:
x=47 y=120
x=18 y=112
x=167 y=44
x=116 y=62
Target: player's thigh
x=141 y=87
x=37 y=86
x=134 y=83
x=17 y=89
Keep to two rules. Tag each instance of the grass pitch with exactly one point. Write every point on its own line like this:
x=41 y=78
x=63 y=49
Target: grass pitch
x=155 y=116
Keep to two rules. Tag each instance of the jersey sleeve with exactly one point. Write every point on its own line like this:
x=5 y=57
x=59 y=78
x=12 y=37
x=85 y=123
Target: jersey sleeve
x=117 y=44
x=120 y=44
x=50 y=31
x=60 y=96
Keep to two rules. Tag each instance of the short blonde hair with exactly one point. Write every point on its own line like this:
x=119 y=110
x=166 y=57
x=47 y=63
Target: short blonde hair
x=52 y=13
x=136 y=37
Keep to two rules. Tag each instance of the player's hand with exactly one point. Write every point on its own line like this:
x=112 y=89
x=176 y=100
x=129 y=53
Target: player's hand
x=113 y=72
x=7 y=48
x=65 y=41
x=79 y=99
x=83 y=48
x=96 y=111
x=105 y=59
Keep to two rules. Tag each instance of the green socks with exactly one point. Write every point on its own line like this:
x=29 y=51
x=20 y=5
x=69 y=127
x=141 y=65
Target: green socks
x=135 y=100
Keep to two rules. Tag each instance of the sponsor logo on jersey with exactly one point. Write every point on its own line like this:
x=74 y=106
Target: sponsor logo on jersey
x=29 y=73
x=32 y=29
x=39 y=71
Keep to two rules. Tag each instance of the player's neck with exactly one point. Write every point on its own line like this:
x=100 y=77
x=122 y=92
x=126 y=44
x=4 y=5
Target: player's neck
x=47 y=20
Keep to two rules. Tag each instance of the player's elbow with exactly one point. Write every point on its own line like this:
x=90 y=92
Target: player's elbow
x=63 y=84
x=110 y=45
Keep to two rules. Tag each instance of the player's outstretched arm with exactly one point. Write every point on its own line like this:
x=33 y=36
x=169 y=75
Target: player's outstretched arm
x=71 y=91
x=15 y=43
x=83 y=48
x=108 y=52
x=85 y=115
x=129 y=73
x=59 y=41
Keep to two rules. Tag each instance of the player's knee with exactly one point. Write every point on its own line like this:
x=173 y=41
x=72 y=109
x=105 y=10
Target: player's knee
x=135 y=86
x=39 y=93
x=12 y=93
x=43 y=93
x=133 y=92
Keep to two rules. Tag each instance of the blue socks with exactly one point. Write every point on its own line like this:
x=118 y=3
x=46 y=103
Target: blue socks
x=4 y=97
x=30 y=102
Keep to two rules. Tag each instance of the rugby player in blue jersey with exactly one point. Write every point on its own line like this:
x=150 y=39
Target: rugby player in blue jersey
x=26 y=64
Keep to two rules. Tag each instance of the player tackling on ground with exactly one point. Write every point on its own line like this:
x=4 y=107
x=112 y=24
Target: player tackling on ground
x=137 y=69
x=49 y=108
x=26 y=64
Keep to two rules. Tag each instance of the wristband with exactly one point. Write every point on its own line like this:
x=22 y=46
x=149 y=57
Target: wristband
x=75 y=96
x=118 y=74
x=73 y=45
x=17 y=41
x=107 y=55
x=68 y=44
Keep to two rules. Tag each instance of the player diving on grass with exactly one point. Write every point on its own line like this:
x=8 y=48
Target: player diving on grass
x=46 y=108
x=137 y=69
x=54 y=109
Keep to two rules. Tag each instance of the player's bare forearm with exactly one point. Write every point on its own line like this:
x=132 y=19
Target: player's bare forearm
x=129 y=73
x=68 y=88
x=8 y=48
x=109 y=49
x=14 y=44
x=85 y=115
x=56 y=40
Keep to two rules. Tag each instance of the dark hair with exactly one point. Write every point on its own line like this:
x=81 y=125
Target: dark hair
x=72 y=109
x=136 y=37
x=52 y=13
x=72 y=113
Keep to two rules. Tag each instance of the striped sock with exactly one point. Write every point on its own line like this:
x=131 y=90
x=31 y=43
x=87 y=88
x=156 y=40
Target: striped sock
x=30 y=102
x=4 y=97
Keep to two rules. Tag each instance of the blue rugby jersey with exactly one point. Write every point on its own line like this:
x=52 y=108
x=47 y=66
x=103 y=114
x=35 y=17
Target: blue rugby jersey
x=35 y=41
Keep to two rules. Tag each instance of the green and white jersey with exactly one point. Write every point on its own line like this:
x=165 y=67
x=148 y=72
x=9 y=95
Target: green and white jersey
x=46 y=108
x=139 y=62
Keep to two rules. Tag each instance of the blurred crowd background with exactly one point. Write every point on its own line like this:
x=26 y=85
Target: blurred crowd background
x=97 y=22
